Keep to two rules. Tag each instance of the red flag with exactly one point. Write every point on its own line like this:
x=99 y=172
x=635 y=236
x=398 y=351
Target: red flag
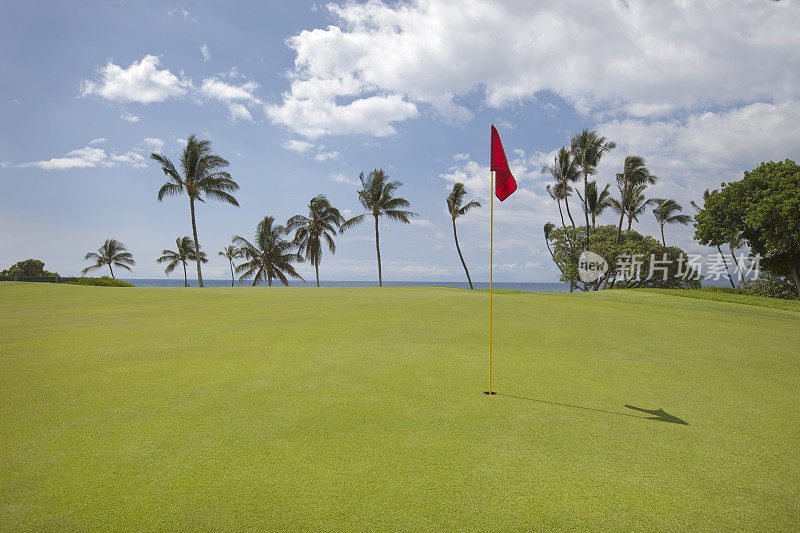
x=504 y=182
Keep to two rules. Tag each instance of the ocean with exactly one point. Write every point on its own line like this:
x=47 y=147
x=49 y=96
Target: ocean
x=517 y=286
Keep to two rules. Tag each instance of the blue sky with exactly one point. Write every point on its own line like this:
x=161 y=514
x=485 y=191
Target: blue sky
x=302 y=96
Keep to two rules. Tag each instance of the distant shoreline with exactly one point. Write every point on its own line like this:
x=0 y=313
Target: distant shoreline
x=519 y=286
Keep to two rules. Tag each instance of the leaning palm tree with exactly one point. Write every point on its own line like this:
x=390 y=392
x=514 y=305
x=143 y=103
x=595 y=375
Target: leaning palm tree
x=269 y=256
x=564 y=171
x=184 y=251
x=634 y=173
x=668 y=212
x=321 y=224
x=230 y=253
x=457 y=208
x=112 y=253
x=588 y=149
x=377 y=197
x=559 y=191
x=202 y=177
x=597 y=202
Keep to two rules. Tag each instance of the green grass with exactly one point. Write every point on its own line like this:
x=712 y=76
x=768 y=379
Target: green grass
x=731 y=297
x=343 y=409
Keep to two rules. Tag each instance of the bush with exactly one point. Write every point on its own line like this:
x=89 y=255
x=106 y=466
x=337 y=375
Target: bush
x=772 y=286
x=104 y=281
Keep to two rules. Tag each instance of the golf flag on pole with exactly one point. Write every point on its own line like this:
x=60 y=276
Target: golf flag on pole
x=503 y=185
x=504 y=182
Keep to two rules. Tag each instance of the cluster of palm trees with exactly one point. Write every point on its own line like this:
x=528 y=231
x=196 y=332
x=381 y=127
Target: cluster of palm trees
x=580 y=160
x=269 y=256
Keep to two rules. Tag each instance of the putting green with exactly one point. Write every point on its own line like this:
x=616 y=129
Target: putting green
x=145 y=409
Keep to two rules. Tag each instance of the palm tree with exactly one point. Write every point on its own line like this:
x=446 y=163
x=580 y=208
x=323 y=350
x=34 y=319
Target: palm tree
x=564 y=171
x=634 y=173
x=635 y=203
x=454 y=205
x=668 y=212
x=559 y=191
x=548 y=232
x=184 y=251
x=377 y=197
x=112 y=253
x=269 y=256
x=202 y=177
x=588 y=148
x=322 y=222
x=597 y=202
x=230 y=253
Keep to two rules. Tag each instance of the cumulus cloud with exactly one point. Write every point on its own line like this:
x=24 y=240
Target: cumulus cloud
x=86 y=157
x=380 y=62
x=206 y=52
x=141 y=82
x=130 y=118
x=92 y=156
x=298 y=146
x=236 y=97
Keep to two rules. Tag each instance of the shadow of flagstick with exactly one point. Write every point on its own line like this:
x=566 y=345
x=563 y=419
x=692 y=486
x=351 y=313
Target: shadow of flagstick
x=660 y=414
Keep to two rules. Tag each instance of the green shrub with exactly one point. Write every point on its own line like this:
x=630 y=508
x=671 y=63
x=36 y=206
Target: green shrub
x=772 y=286
x=104 y=281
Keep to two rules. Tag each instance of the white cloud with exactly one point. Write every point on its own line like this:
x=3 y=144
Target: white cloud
x=141 y=82
x=130 y=158
x=130 y=118
x=236 y=97
x=298 y=146
x=151 y=144
x=82 y=158
x=380 y=62
x=206 y=52
x=340 y=177
x=327 y=156
x=91 y=156
x=182 y=12
x=461 y=157
x=422 y=222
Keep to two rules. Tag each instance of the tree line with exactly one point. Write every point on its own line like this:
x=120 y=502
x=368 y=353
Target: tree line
x=273 y=250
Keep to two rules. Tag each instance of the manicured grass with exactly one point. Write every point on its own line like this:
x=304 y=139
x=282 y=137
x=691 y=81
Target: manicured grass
x=746 y=299
x=341 y=409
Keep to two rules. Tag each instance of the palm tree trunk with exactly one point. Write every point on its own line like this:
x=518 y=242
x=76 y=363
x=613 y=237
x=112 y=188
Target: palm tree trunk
x=630 y=221
x=185 y=277
x=112 y=271
x=196 y=244
x=463 y=263
x=735 y=262
x=725 y=262
x=231 y=262
x=378 y=249
x=663 y=242
x=585 y=202
x=566 y=203
x=559 y=212
x=623 y=192
x=316 y=270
